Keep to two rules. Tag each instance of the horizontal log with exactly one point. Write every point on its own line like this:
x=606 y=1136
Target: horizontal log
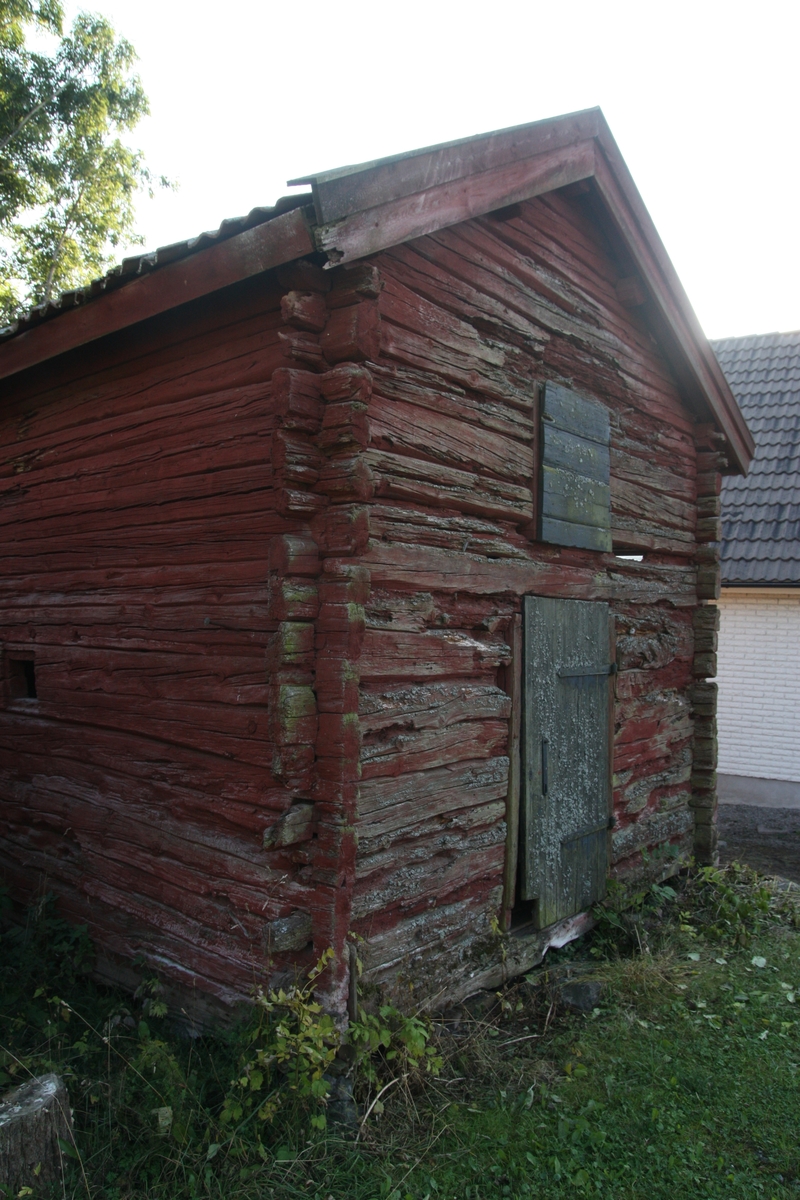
x=387 y=805
x=632 y=499
x=305 y=310
x=295 y=459
x=422 y=433
x=302 y=349
x=703 y=698
x=292 y=599
x=512 y=419
x=201 y=789
x=97 y=805
x=423 y=482
x=704 y=665
x=462 y=283
x=708 y=581
x=421 y=335
x=473 y=828
x=404 y=750
x=709 y=529
x=296 y=397
x=290 y=554
x=410 y=887
x=650 y=830
x=343 y=529
x=295 y=825
x=353 y=334
x=434 y=653
x=446 y=570
x=431 y=706
x=246 y=358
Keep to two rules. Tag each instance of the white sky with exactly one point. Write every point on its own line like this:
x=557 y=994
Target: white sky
x=702 y=98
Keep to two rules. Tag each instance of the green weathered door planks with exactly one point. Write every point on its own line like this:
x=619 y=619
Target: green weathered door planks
x=565 y=801
x=574 y=476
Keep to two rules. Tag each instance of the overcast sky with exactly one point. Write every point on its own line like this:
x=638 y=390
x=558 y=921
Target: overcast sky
x=702 y=98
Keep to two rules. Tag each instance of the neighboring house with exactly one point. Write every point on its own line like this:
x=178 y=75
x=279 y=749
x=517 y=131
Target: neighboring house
x=318 y=610
x=759 y=643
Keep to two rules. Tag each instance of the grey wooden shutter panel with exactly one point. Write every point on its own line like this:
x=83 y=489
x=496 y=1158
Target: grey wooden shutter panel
x=564 y=819
x=574 y=475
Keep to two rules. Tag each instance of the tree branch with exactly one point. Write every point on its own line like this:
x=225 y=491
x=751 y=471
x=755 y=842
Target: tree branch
x=48 y=283
x=28 y=117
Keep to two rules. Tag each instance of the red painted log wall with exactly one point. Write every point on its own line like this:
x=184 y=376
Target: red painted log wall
x=138 y=500
x=472 y=319
x=268 y=548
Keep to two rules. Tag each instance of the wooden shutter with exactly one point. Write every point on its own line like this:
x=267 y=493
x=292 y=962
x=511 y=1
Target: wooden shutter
x=574 y=492
x=565 y=802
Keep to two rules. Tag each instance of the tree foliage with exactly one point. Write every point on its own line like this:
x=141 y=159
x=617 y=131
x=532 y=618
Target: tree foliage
x=68 y=181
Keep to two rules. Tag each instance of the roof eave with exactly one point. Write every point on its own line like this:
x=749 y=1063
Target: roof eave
x=270 y=244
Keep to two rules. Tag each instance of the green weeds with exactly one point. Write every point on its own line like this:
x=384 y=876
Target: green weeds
x=681 y=1084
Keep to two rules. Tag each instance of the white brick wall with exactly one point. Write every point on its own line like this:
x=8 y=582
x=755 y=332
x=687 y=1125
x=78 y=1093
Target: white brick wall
x=759 y=683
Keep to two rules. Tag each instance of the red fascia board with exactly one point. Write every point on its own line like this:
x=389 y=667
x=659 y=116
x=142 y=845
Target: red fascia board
x=258 y=249
x=398 y=220
x=339 y=194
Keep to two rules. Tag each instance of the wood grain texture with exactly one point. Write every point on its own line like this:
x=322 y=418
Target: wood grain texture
x=138 y=508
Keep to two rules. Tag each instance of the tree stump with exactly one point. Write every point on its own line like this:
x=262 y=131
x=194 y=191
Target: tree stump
x=32 y=1119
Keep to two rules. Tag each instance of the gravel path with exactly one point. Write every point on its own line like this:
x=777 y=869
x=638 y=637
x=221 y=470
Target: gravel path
x=767 y=839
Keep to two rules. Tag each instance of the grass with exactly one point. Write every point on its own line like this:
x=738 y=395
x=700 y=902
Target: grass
x=682 y=1083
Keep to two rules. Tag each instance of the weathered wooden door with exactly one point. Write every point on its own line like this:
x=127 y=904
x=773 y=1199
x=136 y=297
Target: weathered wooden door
x=565 y=801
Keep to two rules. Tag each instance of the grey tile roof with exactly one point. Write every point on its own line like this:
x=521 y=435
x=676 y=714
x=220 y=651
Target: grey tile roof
x=761 y=514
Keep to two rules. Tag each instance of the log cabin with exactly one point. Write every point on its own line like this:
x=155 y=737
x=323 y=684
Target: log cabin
x=359 y=568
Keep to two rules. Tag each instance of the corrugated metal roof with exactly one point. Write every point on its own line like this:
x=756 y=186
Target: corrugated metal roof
x=143 y=264
x=761 y=514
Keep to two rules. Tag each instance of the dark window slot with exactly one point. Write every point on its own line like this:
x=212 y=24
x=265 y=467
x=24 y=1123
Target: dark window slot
x=22 y=679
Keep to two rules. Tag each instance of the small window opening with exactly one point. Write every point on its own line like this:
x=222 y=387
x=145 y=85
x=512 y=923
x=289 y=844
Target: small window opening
x=523 y=915
x=631 y=557
x=22 y=679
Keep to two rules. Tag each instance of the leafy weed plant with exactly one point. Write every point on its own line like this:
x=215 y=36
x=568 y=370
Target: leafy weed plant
x=681 y=1084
